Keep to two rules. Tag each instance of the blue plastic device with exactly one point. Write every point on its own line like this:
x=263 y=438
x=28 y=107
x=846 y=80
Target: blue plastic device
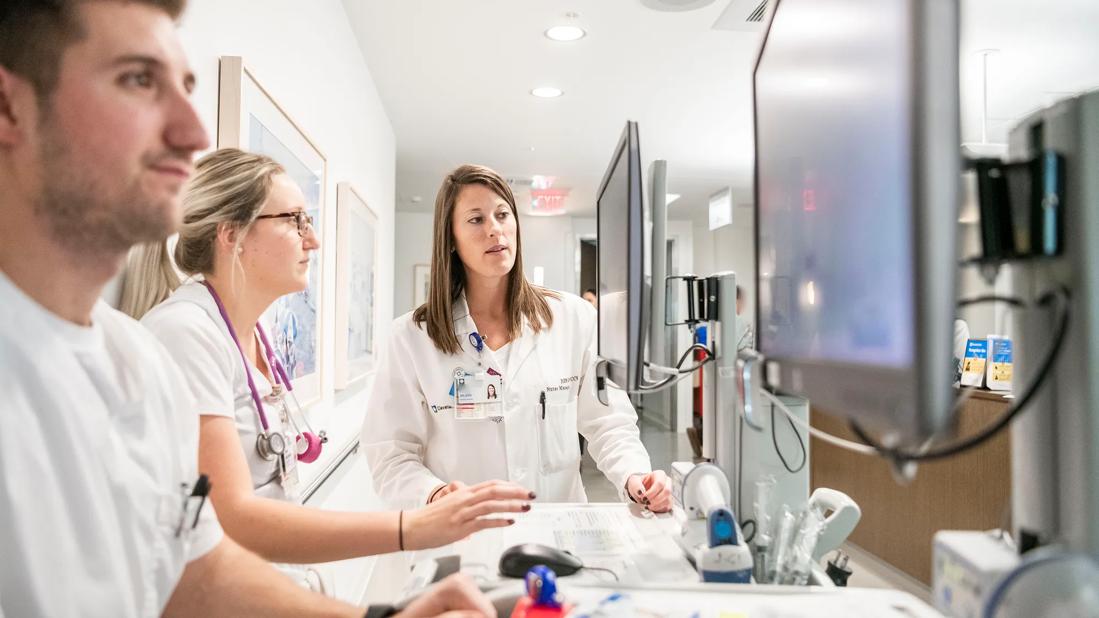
x=542 y=586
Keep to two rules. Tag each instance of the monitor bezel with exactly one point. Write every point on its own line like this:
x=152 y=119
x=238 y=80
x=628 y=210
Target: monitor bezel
x=629 y=377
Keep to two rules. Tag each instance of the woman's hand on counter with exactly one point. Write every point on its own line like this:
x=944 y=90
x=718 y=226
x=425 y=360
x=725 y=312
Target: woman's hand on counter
x=462 y=511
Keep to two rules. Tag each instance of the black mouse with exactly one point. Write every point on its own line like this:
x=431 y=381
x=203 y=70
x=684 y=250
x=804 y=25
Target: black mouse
x=516 y=561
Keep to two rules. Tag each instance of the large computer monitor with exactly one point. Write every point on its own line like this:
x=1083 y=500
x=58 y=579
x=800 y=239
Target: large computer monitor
x=856 y=191
x=621 y=258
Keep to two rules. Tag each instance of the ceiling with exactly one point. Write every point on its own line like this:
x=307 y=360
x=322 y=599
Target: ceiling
x=455 y=77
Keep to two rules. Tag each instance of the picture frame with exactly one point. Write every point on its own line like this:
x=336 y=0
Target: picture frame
x=251 y=119
x=421 y=282
x=356 y=286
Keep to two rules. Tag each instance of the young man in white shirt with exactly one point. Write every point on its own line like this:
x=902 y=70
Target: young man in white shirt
x=101 y=502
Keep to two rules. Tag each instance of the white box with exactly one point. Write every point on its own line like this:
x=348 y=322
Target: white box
x=966 y=565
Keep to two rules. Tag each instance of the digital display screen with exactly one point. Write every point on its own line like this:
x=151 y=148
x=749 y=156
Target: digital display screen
x=835 y=183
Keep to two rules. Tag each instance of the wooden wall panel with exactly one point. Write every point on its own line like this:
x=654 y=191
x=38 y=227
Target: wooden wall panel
x=970 y=491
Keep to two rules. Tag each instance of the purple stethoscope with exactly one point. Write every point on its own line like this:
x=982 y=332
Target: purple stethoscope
x=271 y=445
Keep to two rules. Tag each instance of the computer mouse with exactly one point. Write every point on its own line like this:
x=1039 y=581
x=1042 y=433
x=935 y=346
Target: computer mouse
x=517 y=560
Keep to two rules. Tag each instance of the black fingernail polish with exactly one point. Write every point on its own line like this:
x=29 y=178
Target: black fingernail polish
x=639 y=492
x=532 y=496
x=526 y=507
x=511 y=522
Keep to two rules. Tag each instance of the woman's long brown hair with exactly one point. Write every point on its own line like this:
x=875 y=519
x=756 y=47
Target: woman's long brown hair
x=526 y=302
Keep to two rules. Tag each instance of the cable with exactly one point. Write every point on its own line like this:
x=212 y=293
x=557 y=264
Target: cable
x=743 y=524
x=666 y=383
x=774 y=440
x=682 y=374
x=862 y=449
x=591 y=568
x=677 y=370
x=992 y=298
x=928 y=454
x=692 y=348
x=668 y=371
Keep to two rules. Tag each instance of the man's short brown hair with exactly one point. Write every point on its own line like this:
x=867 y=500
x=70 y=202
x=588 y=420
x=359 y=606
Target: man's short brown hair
x=35 y=33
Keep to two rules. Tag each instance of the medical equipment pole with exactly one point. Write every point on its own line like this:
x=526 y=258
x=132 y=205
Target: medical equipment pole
x=725 y=412
x=1055 y=462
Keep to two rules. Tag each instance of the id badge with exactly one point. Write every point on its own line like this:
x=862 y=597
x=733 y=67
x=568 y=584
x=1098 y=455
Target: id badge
x=477 y=395
x=288 y=467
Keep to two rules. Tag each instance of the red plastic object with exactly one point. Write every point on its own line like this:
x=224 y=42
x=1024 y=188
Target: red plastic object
x=526 y=608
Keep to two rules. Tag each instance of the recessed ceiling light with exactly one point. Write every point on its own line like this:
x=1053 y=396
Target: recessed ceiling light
x=670 y=197
x=565 y=34
x=547 y=92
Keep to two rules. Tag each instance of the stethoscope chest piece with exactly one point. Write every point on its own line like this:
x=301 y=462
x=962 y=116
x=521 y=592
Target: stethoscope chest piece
x=270 y=445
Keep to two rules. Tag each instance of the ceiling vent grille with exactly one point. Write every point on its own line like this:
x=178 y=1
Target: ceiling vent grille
x=743 y=15
x=757 y=15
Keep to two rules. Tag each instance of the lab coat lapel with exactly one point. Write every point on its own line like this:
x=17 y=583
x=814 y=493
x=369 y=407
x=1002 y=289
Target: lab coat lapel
x=521 y=347
x=524 y=346
x=463 y=326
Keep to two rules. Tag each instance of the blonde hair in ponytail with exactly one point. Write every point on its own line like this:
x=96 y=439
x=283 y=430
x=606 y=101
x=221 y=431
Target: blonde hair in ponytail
x=229 y=187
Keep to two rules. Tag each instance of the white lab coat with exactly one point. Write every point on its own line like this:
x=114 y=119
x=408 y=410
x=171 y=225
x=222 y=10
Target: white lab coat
x=414 y=443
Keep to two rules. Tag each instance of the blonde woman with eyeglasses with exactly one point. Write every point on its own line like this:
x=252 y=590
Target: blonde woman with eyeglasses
x=245 y=242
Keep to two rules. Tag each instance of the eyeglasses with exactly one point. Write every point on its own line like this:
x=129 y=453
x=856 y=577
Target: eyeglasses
x=303 y=221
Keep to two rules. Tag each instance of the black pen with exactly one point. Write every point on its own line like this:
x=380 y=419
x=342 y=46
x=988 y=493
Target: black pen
x=201 y=490
x=542 y=402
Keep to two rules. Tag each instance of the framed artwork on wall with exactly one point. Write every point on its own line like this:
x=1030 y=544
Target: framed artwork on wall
x=421 y=282
x=249 y=118
x=356 y=285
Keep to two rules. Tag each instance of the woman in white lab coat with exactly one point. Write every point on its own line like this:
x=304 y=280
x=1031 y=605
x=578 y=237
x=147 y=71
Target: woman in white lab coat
x=246 y=241
x=429 y=430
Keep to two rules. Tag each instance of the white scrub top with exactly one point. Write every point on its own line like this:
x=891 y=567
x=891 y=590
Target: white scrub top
x=414 y=443
x=98 y=442
x=188 y=323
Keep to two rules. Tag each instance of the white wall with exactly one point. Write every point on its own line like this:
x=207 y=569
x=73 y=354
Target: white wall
x=414 y=230
x=729 y=248
x=980 y=318
x=306 y=56
x=546 y=243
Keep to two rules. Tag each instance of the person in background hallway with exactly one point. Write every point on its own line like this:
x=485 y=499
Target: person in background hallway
x=590 y=296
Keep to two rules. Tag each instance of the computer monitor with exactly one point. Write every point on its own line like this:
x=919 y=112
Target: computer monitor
x=621 y=287
x=856 y=190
